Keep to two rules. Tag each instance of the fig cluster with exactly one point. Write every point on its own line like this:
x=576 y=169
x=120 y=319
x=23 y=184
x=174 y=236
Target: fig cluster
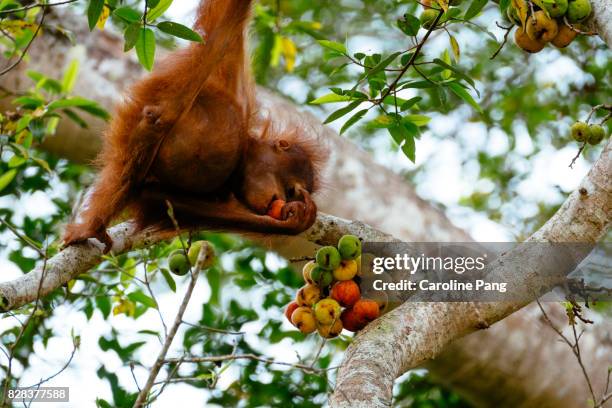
x=181 y=261
x=331 y=299
x=541 y=22
x=585 y=133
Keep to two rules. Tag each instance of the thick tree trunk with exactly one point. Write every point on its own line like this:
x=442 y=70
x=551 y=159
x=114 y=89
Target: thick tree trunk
x=357 y=189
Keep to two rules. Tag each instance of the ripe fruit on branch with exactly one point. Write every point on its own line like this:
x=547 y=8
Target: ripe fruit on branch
x=303 y=318
x=329 y=331
x=541 y=28
x=307 y=270
x=346 y=270
x=308 y=295
x=276 y=208
x=564 y=37
x=327 y=311
x=366 y=309
x=290 y=309
x=527 y=44
x=580 y=132
x=352 y=321
x=347 y=293
x=194 y=251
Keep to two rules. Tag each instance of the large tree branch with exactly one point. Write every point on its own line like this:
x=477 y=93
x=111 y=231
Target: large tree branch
x=415 y=332
x=78 y=259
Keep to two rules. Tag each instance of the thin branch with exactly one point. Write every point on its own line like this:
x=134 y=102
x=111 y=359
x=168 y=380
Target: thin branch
x=505 y=40
x=35 y=5
x=254 y=357
x=143 y=394
x=27 y=47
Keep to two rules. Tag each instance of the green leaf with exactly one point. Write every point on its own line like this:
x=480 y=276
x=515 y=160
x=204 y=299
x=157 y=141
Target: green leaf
x=475 y=8
x=342 y=111
x=145 y=48
x=410 y=103
x=334 y=46
x=457 y=72
x=463 y=94
x=28 y=102
x=455 y=47
x=131 y=36
x=6 y=178
x=158 y=10
x=179 y=30
x=128 y=14
x=383 y=64
x=330 y=98
x=352 y=120
x=418 y=120
x=70 y=102
x=409 y=24
x=70 y=76
x=93 y=12
x=169 y=279
x=141 y=298
x=104 y=304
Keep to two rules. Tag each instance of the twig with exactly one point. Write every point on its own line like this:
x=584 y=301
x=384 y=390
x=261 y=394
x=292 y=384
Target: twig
x=213 y=329
x=412 y=58
x=216 y=359
x=11 y=348
x=143 y=394
x=571 y=165
x=35 y=5
x=575 y=346
x=503 y=43
x=24 y=238
x=27 y=47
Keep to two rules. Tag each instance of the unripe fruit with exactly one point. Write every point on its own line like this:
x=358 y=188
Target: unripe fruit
x=178 y=262
x=580 y=132
x=290 y=309
x=276 y=208
x=303 y=318
x=366 y=309
x=564 y=37
x=578 y=10
x=327 y=311
x=308 y=295
x=329 y=331
x=194 y=251
x=328 y=257
x=346 y=270
x=307 y=270
x=541 y=28
x=527 y=44
x=597 y=134
x=556 y=8
x=346 y=293
x=349 y=247
x=352 y=321
x=321 y=277
x=428 y=17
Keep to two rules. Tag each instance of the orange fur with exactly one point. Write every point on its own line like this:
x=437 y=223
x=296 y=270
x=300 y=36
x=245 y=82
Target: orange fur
x=184 y=134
